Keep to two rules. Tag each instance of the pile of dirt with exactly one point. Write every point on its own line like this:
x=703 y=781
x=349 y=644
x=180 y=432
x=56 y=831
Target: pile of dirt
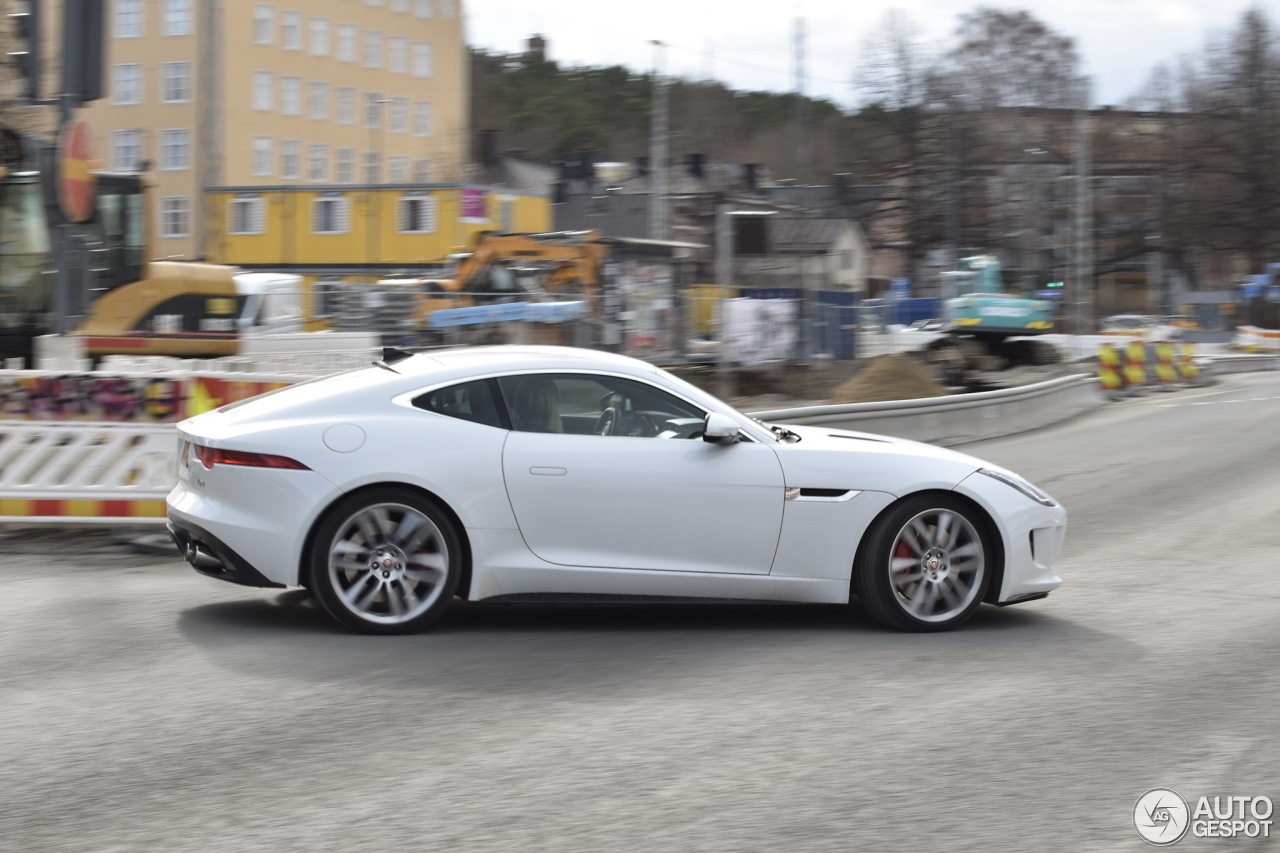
x=889 y=377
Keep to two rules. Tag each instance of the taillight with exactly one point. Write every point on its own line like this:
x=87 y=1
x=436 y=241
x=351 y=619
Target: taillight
x=210 y=456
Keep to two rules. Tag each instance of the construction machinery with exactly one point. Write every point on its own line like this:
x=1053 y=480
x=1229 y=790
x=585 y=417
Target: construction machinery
x=118 y=301
x=987 y=326
x=506 y=267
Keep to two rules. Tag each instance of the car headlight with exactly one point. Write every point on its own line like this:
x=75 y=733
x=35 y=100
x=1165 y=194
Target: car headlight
x=1013 y=480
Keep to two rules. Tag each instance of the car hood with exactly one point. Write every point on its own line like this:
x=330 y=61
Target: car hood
x=843 y=459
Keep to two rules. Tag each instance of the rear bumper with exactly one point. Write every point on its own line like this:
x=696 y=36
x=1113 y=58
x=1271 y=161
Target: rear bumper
x=211 y=557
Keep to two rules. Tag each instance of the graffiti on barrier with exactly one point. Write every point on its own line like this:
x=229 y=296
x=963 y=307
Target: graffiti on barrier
x=124 y=399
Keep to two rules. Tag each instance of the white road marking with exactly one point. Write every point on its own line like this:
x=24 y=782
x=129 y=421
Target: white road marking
x=1216 y=402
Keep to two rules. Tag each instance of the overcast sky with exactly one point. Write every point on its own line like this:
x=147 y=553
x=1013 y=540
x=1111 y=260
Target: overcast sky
x=749 y=44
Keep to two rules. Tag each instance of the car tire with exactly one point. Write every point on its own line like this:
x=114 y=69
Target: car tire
x=385 y=561
x=925 y=565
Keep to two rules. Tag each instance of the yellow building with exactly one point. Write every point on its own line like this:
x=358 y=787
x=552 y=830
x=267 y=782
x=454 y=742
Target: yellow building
x=337 y=231
x=288 y=98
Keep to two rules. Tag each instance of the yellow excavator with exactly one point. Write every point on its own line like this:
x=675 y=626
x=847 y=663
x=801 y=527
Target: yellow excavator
x=128 y=304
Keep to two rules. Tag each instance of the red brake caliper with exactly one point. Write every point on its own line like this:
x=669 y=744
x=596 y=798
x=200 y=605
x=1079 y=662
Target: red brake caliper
x=903 y=550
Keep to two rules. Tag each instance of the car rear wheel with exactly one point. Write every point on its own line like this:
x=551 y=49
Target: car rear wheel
x=385 y=562
x=925 y=565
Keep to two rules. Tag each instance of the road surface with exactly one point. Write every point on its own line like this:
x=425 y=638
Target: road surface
x=147 y=708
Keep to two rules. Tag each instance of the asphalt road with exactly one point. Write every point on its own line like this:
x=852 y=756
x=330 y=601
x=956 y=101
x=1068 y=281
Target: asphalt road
x=145 y=708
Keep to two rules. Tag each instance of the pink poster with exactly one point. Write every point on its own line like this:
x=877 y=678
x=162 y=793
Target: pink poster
x=475 y=207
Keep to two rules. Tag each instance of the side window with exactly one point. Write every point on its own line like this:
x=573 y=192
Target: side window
x=587 y=404
x=468 y=401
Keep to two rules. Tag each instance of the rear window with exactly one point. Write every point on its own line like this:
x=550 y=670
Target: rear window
x=469 y=401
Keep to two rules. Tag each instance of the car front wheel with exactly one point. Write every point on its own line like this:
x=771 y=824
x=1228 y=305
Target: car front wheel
x=925 y=565
x=385 y=561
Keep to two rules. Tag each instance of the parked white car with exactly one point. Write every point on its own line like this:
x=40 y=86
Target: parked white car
x=1139 y=326
x=507 y=472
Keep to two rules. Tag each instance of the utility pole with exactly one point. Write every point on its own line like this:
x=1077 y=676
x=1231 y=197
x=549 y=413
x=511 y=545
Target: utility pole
x=801 y=157
x=658 y=150
x=1084 y=226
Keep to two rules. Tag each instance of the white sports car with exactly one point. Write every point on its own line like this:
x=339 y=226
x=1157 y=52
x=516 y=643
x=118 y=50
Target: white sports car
x=515 y=472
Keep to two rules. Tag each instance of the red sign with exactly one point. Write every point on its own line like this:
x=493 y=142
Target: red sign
x=75 y=180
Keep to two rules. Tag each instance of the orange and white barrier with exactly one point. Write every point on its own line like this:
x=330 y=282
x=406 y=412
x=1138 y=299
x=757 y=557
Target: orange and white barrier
x=1254 y=339
x=101 y=448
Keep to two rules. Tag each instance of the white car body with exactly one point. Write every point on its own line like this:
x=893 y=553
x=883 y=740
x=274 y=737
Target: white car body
x=563 y=513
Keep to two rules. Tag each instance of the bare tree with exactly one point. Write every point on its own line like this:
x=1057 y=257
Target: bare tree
x=1010 y=59
x=1231 y=154
x=896 y=73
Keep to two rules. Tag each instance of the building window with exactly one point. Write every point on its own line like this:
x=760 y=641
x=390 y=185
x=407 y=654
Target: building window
x=319 y=36
x=346 y=43
x=175 y=150
x=261 y=156
x=416 y=215
x=397 y=169
x=421 y=59
x=128 y=84
x=421 y=171
x=346 y=165
x=372 y=49
x=422 y=8
x=399 y=5
x=330 y=216
x=422 y=118
x=448 y=9
x=397 y=54
x=175 y=80
x=346 y=105
x=264 y=24
x=129 y=19
x=291 y=30
x=373 y=2
x=318 y=106
x=397 y=118
x=177 y=17
x=126 y=150
x=318 y=163
x=175 y=216
x=247 y=216
x=263 y=82
x=372 y=167
x=372 y=110
x=289 y=154
x=290 y=96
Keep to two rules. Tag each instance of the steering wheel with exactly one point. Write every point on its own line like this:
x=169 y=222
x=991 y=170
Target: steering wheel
x=606 y=422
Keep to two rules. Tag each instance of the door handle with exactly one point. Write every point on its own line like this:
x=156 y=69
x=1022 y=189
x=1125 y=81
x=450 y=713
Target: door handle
x=543 y=471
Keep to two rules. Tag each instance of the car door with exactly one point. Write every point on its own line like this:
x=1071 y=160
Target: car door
x=649 y=494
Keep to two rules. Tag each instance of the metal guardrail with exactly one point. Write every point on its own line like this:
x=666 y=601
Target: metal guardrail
x=1224 y=364
x=959 y=417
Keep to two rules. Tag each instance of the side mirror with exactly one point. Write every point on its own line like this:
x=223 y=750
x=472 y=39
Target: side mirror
x=719 y=429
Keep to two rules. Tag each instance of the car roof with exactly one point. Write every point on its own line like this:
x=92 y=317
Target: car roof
x=517 y=357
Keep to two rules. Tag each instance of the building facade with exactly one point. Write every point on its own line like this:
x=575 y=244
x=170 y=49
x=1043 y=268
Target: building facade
x=317 y=96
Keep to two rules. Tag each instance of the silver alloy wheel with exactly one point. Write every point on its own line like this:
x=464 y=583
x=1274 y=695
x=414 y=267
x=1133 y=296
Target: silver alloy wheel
x=388 y=563
x=936 y=565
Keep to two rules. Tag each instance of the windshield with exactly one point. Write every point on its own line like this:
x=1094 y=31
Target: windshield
x=25 y=261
